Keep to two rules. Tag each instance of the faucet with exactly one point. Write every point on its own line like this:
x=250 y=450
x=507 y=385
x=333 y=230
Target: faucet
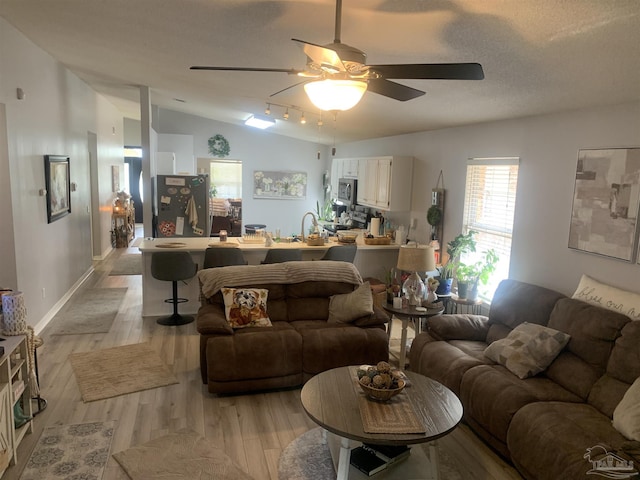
x=315 y=223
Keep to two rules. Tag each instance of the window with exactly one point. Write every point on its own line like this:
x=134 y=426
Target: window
x=489 y=206
x=226 y=178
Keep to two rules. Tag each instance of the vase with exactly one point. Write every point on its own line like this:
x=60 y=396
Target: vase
x=463 y=288
x=445 y=286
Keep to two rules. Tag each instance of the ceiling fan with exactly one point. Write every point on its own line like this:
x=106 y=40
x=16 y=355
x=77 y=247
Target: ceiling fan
x=336 y=75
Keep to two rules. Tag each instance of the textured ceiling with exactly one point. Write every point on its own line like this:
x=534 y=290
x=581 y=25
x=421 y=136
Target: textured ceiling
x=539 y=56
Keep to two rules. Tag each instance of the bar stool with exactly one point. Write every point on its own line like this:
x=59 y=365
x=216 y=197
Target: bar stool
x=342 y=253
x=223 y=257
x=278 y=255
x=171 y=267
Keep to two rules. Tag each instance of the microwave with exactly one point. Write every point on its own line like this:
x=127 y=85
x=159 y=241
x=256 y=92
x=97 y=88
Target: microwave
x=347 y=190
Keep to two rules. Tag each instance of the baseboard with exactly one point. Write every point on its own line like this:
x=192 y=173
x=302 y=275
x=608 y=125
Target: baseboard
x=39 y=327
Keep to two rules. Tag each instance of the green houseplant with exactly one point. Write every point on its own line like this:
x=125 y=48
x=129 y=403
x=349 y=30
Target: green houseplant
x=461 y=244
x=469 y=275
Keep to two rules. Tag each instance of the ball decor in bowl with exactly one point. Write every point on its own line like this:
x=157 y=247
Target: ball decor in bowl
x=380 y=382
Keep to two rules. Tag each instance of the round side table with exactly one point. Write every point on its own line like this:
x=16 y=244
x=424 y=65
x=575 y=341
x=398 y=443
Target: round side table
x=407 y=314
x=464 y=305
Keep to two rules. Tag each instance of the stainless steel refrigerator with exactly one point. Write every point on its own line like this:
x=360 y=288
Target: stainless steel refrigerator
x=182 y=206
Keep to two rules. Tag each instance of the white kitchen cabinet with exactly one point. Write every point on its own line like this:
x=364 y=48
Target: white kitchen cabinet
x=385 y=183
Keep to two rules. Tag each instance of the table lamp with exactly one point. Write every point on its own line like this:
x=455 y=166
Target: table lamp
x=415 y=258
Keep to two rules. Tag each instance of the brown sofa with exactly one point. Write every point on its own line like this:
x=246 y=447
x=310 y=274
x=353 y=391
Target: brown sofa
x=543 y=424
x=300 y=343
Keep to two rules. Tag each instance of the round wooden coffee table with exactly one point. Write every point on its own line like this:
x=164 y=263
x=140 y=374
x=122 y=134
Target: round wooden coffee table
x=332 y=400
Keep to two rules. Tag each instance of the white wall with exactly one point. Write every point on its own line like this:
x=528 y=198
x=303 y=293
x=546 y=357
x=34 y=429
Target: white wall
x=258 y=150
x=182 y=147
x=548 y=148
x=55 y=117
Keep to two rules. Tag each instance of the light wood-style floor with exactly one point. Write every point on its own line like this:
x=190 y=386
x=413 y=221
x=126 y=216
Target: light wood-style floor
x=252 y=429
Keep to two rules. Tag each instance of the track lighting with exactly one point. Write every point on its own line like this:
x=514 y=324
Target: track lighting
x=286 y=114
x=302 y=119
x=267 y=111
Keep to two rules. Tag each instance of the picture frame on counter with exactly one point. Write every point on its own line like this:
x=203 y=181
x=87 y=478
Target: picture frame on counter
x=58 y=186
x=282 y=185
x=606 y=203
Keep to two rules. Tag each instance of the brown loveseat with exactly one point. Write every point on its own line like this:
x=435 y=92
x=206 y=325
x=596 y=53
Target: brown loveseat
x=546 y=423
x=301 y=341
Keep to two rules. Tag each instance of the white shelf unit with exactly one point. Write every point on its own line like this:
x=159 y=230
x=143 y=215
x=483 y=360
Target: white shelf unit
x=14 y=388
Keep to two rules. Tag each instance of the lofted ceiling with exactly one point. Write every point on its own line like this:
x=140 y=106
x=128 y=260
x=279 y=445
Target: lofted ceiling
x=539 y=56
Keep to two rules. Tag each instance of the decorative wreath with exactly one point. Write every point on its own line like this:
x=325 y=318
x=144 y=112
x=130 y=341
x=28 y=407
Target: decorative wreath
x=219 y=146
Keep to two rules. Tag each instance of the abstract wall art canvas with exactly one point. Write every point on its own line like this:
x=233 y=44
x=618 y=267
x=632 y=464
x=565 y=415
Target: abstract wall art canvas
x=606 y=202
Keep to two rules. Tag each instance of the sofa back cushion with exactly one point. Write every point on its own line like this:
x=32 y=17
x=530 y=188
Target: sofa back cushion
x=622 y=369
x=593 y=333
x=310 y=300
x=517 y=302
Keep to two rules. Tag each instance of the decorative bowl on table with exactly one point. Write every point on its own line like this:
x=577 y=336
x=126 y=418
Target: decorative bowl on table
x=382 y=394
x=347 y=237
x=380 y=382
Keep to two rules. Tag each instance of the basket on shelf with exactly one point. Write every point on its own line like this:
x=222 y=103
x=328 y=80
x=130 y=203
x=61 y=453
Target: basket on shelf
x=377 y=241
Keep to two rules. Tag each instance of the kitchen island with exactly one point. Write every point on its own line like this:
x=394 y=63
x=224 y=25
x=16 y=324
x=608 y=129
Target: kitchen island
x=370 y=260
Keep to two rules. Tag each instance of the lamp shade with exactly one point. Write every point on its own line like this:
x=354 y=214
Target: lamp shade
x=416 y=258
x=335 y=94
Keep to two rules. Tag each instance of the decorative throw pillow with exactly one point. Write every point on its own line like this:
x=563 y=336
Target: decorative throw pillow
x=626 y=416
x=596 y=293
x=348 y=307
x=246 y=307
x=528 y=349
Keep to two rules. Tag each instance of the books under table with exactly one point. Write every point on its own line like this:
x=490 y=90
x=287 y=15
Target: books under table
x=371 y=459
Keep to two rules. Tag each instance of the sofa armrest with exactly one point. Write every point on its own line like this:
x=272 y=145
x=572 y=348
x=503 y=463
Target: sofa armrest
x=459 y=327
x=212 y=321
x=378 y=318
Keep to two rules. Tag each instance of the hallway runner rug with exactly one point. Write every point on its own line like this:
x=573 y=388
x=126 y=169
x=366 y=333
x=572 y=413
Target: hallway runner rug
x=119 y=370
x=71 y=451
x=89 y=311
x=127 y=264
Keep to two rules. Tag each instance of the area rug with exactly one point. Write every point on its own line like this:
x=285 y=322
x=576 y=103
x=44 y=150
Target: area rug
x=127 y=264
x=183 y=455
x=78 y=451
x=119 y=370
x=90 y=311
x=307 y=458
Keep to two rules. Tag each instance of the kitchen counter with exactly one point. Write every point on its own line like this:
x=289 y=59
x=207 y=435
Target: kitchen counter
x=370 y=260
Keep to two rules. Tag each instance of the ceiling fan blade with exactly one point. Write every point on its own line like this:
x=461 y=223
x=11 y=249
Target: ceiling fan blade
x=322 y=56
x=393 y=90
x=290 y=71
x=290 y=86
x=431 y=71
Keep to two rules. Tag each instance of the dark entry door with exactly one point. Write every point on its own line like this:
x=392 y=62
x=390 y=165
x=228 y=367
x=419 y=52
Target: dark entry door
x=135 y=175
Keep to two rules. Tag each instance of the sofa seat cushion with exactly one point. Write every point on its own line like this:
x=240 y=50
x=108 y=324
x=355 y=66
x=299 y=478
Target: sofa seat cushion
x=548 y=441
x=339 y=345
x=254 y=353
x=492 y=395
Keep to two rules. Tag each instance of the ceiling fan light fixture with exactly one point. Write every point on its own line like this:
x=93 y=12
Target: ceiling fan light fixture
x=260 y=121
x=335 y=94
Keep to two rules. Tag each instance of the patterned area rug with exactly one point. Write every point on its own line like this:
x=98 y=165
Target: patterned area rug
x=71 y=452
x=183 y=455
x=127 y=264
x=307 y=458
x=119 y=370
x=92 y=311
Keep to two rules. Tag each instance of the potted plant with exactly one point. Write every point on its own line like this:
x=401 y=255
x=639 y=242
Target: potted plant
x=463 y=243
x=468 y=276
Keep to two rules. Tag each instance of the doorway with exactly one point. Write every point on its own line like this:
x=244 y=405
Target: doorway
x=133 y=178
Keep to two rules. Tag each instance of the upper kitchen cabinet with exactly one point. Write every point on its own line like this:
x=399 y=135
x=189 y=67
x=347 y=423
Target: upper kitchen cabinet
x=385 y=183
